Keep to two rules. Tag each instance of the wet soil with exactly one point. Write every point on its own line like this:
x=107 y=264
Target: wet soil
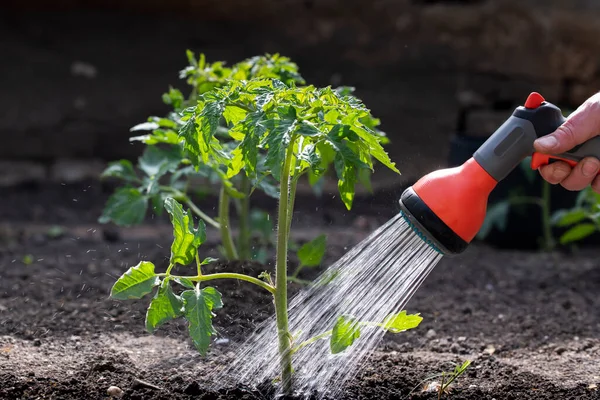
x=529 y=322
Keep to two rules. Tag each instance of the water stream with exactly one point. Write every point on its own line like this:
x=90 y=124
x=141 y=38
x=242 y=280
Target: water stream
x=375 y=278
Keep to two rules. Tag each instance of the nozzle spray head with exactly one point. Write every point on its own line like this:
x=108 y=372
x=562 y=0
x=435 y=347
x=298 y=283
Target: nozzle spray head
x=447 y=207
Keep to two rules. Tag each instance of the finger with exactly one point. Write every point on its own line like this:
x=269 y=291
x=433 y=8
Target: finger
x=596 y=184
x=582 y=174
x=556 y=172
x=581 y=125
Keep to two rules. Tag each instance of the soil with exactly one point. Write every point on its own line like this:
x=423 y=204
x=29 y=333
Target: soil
x=529 y=322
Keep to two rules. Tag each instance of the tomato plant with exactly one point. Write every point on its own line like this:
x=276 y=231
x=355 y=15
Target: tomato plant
x=249 y=127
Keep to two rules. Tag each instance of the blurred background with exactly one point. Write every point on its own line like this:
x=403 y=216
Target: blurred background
x=441 y=76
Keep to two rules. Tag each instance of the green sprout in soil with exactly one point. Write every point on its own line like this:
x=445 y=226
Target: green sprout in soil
x=245 y=128
x=447 y=379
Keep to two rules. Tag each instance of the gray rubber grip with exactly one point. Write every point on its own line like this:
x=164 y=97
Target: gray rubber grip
x=591 y=148
x=507 y=147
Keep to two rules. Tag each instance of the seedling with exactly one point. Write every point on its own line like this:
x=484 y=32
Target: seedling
x=446 y=380
x=449 y=378
x=274 y=133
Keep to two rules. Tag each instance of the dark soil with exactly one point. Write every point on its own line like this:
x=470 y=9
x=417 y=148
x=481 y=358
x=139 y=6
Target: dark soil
x=529 y=322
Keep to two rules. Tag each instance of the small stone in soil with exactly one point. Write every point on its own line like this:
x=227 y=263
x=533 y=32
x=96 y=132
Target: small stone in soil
x=115 y=391
x=430 y=334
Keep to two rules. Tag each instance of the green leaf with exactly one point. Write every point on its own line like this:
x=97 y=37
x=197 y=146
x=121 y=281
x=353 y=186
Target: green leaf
x=253 y=127
x=198 y=310
x=209 y=119
x=174 y=98
x=566 y=218
x=209 y=260
x=497 y=215
x=145 y=126
x=185 y=282
x=157 y=137
x=191 y=58
x=310 y=155
x=401 y=322
x=311 y=253
x=278 y=140
x=190 y=134
x=308 y=129
x=155 y=162
x=577 y=232
x=344 y=333
x=186 y=239
x=126 y=207
x=234 y=114
x=137 y=282
x=346 y=172
x=375 y=148
x=164 y=307
x=121 y=169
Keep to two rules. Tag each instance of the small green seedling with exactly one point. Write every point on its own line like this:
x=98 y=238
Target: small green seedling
x=447 y=378
x=248 y=128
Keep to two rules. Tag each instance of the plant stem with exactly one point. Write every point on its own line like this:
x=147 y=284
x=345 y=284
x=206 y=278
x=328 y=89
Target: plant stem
x=312 y=340
x=245 y=234
x=202 y=215
x=294 y=185
x=182 y=197
x=227 y=275
x=290 y=212
x=281 y=306
x=169 y=269
x=198 y=265
x=230 y=251
x=545 y=208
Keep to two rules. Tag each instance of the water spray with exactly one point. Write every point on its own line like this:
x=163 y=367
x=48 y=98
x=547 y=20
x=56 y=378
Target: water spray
x=446 y=208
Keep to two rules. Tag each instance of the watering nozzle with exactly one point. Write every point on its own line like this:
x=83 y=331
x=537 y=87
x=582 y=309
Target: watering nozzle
x=447 y=207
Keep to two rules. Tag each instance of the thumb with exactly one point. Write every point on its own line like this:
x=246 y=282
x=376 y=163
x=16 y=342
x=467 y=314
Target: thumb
x=581 y=125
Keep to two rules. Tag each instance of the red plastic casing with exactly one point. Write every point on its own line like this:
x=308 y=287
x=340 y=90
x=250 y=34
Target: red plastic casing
x=458 y=196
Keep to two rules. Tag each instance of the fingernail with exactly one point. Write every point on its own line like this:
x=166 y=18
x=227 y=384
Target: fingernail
x=560 y=173
x=590 y=168
x=547 y=142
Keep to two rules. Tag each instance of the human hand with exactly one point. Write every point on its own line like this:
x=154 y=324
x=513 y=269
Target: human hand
x=581 y=125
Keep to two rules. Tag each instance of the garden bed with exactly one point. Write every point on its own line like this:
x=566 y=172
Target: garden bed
x=528 y=321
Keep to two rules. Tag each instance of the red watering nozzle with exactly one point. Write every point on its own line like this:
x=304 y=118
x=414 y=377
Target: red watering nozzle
x=447 y=207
